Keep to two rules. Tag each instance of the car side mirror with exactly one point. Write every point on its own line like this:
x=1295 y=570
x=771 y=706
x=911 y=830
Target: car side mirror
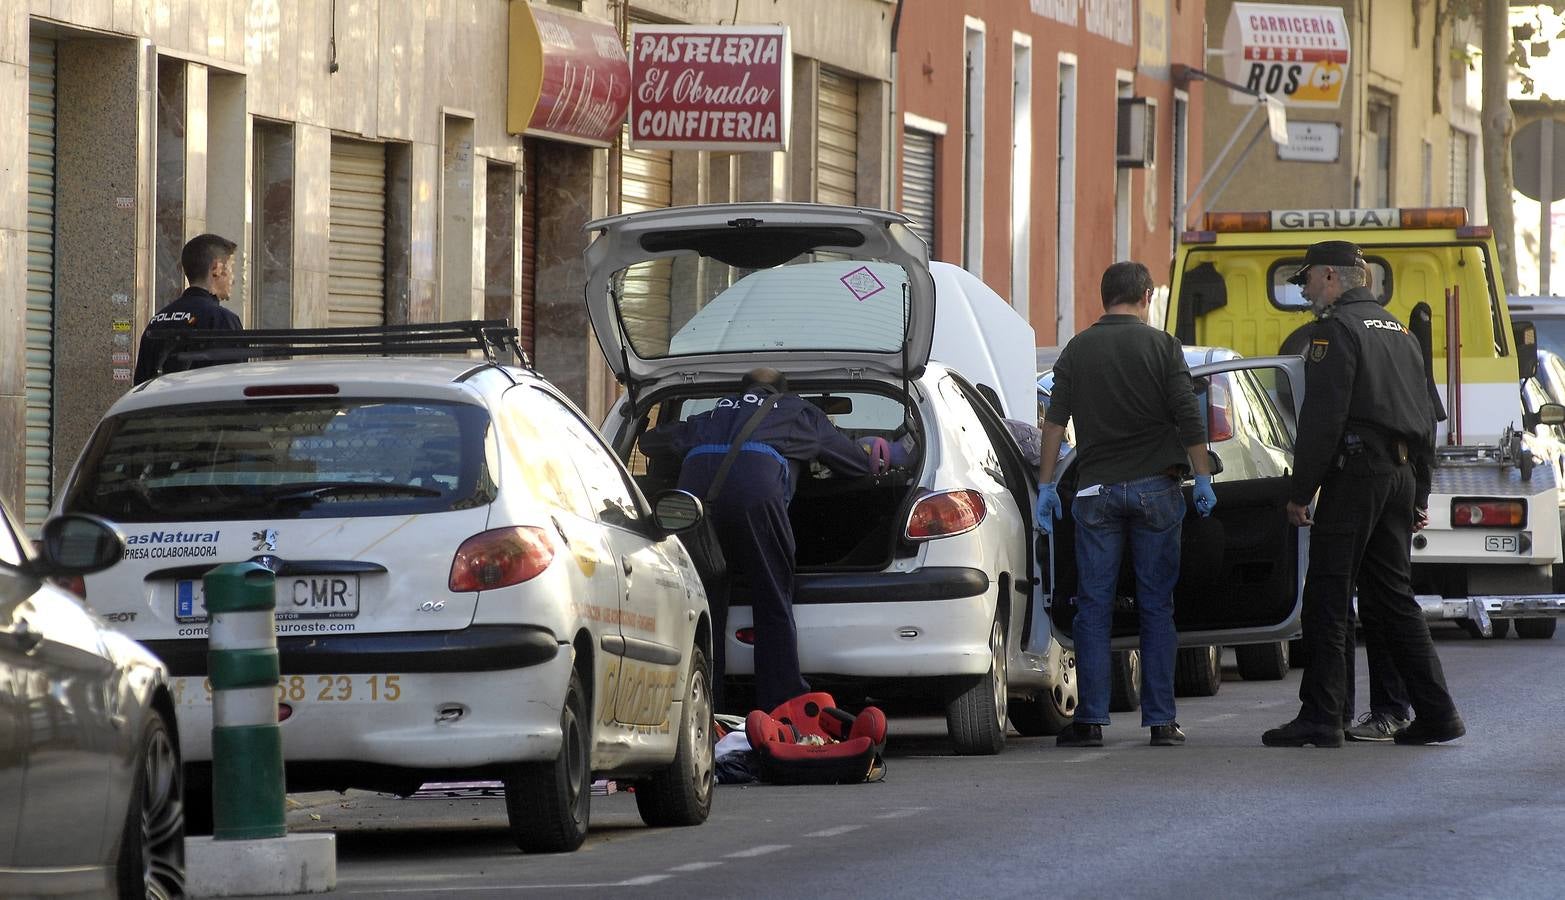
x=675 y=511
x=78 y=544
x=1551 y=414
x=1526 y=335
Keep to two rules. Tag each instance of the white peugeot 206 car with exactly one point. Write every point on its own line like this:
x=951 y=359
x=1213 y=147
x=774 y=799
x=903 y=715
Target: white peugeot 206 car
x=469 y=585
x=920 y=585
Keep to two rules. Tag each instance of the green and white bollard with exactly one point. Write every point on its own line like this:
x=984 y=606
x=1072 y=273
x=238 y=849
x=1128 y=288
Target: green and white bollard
x=247 y=747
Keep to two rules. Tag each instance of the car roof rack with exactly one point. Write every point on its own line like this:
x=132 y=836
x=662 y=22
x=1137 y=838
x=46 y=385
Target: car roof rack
x=492 y=337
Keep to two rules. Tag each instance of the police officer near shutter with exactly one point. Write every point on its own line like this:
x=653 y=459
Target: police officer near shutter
x=1366 y=443
x=208 y=262
x=751 y=509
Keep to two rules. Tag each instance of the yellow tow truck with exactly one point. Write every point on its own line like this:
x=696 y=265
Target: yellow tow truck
x=1492 y=551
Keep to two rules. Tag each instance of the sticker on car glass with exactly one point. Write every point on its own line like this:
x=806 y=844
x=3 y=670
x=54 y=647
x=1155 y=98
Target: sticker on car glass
x=863 y=283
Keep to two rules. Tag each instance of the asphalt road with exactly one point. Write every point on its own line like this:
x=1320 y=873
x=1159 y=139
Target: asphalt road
x=1220 y=817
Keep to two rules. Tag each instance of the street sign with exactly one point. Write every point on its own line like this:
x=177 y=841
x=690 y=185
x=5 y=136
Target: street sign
x=1318 y=142
x=1527 y=159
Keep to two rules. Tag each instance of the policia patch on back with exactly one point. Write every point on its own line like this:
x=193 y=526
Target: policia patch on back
x=1318 y=349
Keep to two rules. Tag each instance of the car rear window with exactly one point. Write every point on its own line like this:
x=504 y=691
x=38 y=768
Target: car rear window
x=293 y=459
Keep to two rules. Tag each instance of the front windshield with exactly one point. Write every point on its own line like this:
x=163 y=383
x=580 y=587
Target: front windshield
x=689 y=304
x=285 y=459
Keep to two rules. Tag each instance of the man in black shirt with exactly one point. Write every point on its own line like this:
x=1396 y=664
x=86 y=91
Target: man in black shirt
x=1138 y=424
x=208 y=261
x=1366 y=443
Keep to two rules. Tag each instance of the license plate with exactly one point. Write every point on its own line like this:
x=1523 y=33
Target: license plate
x=302 y=689
x=298 y=597
x=1500 y=543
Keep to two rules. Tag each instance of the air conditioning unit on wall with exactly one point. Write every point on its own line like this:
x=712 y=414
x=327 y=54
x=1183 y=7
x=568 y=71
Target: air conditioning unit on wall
x=1135 y=139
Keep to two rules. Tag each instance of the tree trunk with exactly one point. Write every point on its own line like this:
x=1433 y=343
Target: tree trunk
x=1498 y=126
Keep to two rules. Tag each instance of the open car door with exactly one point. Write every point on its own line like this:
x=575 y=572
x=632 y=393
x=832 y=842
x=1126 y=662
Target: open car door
x=1241 y=569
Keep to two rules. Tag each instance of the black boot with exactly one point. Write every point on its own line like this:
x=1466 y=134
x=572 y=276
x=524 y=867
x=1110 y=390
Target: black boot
x=1300 y=733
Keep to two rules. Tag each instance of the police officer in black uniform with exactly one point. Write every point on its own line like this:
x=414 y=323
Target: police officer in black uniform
x=1366 y=442
x=208 y=261
x=751 y=509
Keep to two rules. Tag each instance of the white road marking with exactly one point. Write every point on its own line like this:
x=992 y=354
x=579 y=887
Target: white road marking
x=756 y=851
x=1217 y=718
x=695 y=866
x=639 y=881
x=833 y=832
x=903 y=813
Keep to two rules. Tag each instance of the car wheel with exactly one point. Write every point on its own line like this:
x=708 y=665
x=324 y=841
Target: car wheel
x=682 y=793
x=1125 y=681
x=1198 y=671
x=1263 y=662
x=976 y=716
x=547 y=803
x=1498 y=628
x=151 y=860
x=1535 y=629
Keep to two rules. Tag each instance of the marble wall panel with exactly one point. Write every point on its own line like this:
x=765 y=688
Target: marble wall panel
x=13 y=318
x=13 y=472
x=197 y=134
x=171 y=195
x=564 y=205
x=98 y=164
x=424 y=216
x=14 y=34
x=13 y=146
x=312 y=211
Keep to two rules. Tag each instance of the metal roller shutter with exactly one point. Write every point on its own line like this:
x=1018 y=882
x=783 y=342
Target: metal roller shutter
x=356 y=270
x=918 y=183
x=40 y=285
x=647 y=182
x=528 y=320
x=837 y=151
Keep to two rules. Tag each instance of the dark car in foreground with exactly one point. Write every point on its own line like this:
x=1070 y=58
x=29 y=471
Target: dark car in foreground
x=90 y=790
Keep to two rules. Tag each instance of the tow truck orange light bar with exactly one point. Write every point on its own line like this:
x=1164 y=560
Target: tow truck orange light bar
x=1316 y=219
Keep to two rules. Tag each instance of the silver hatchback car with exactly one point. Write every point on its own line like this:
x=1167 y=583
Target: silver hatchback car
x=90 y=798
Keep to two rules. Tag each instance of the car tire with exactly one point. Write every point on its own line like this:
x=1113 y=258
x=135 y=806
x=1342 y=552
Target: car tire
x=151 y=860
x=976 y=714
x=1263 y=662
x=1535 y=629
x=681 y=794
x=1042 y=715
x=198 y=800
x=1125 y=681
x=1198 y=671
x=548 y=803
x=1498 y=628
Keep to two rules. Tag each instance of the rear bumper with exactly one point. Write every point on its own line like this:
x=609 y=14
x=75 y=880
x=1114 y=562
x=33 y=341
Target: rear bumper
x=477 y=648
x=430 y=722
x=1482 y=609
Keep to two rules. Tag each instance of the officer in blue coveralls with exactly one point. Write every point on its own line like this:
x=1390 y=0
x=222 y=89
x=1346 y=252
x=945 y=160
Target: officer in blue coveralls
x=751 y=510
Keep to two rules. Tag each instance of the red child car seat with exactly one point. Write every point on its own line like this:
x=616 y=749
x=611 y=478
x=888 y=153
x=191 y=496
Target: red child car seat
x=852 y=747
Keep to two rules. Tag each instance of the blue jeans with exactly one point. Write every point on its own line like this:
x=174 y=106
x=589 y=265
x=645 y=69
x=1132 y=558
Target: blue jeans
x=1148 y=511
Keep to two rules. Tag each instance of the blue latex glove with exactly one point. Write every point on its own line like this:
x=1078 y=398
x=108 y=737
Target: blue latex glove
x=1204 y=499
x=1048 y=508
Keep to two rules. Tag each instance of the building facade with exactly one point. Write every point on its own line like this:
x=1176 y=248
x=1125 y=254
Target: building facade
x=1406 y=133
x=360 y=153
x=1041 y=141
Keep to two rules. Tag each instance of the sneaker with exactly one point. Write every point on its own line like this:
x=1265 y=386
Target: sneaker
x=1424 y=731
x=1374 y=726
x=1080 y=734
x=1170 y=735
x=1299 y=733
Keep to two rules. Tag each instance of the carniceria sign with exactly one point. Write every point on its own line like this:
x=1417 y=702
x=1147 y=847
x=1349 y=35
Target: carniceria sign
x=1297 y=53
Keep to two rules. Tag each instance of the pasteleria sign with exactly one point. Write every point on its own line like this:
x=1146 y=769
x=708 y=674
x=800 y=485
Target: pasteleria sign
x=697 y=87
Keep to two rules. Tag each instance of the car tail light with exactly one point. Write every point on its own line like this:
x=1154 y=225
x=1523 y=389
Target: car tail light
x=1472 y=513
x=499 y=558
x=945 y=514
x=1219 y=426
x=283 y=712
x=746 y=636
x=290 y=390
x=76 y=584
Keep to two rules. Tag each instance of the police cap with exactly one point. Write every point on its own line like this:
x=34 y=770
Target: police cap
x=1328 y=253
